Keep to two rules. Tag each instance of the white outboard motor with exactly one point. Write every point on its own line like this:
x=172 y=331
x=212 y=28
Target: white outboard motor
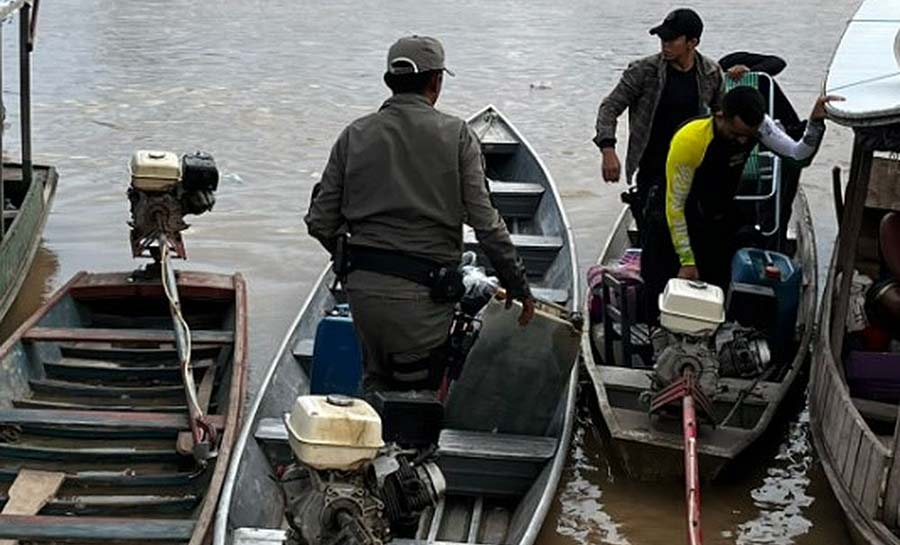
x=694 y=335
x=348 y=487
x=690 y=313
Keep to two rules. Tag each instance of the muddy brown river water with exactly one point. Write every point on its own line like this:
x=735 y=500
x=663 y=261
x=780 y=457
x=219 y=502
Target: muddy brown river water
x=266 y=87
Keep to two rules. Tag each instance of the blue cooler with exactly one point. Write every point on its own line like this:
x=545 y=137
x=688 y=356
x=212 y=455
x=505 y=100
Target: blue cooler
x=765 y=293
x=337 y=363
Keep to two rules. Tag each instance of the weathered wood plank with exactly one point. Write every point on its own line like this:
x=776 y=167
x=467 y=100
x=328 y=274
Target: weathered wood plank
x=855 y=437
x=857 y=481
x=89 y=334
x=840 y=439
x=94 y=528
x=101 y=419
x=851 y=224
x=30 y=492
x=874 y=476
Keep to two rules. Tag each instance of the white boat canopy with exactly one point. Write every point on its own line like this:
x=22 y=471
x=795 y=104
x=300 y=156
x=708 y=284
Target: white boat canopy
x=865 y=68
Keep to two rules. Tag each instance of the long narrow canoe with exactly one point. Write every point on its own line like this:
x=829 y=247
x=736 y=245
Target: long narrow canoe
x=24 y=216
x=90 y=388
x=651 y=447
x=252 y=507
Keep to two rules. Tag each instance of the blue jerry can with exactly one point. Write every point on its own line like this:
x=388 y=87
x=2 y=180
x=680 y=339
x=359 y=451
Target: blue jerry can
x=337 y=363
x=763 y=268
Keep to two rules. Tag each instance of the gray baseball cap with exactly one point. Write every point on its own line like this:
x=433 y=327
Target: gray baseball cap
x=415 y=54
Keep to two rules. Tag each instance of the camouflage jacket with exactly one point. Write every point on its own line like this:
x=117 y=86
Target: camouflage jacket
x=638 y=90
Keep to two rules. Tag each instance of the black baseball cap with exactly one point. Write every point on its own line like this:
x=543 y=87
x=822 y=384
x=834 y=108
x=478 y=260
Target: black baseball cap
x=680 y=22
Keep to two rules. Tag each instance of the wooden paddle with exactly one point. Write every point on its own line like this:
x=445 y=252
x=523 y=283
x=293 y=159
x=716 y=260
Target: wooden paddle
x=30 y=492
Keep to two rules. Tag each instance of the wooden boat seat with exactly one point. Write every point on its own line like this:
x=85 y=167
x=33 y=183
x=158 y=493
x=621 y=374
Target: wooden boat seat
x=101 y=505
x=537 y=251
x=113 y=478
x=876 y=410
x=44 y=528
x=123 y=335
x=516 y=199
x=101 y=419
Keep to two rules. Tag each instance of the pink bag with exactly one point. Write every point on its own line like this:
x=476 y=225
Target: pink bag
x=627 y=269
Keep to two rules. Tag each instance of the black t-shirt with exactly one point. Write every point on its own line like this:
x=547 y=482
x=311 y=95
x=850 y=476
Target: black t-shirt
x=679 y=101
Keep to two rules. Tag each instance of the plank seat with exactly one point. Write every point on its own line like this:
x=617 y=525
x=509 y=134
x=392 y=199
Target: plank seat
x=516 y=199
x=42 y=528
x=876 y=410
x=130 y=477
x=25 y=449
x=81 y=370
x=87 y=406
x=101 y=505
x=65 y=387
x=133 y=356
x=90 y=334
x=101 y=419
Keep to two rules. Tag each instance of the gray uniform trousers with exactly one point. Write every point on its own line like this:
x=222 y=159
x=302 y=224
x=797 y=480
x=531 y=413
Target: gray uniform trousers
x=402 y=331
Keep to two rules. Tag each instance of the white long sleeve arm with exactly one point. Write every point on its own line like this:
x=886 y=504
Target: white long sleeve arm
x=773 y=137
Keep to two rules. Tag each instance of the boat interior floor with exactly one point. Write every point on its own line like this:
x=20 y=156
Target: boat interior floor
x=106 y=408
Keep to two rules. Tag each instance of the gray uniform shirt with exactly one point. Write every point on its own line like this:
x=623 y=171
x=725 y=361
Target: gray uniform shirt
x=406 y=178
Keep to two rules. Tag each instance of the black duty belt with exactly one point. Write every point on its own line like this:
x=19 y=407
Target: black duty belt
x=393 y=263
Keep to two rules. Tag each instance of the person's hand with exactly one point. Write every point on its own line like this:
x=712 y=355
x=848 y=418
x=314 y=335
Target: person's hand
x=737 y=71
x=527 y=308
x=818 y=111
x=610 y=165
x=689 y=272
x=527 y=311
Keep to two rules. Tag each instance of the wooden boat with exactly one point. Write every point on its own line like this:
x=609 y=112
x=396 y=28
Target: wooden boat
x=651 y=447
x=90 y=390
x=252 y=507
x=855 y=432
x=26 y=190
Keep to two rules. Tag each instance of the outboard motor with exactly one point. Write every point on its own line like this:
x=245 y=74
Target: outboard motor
x=163 y=190
x=694 y=336
x=347 y=487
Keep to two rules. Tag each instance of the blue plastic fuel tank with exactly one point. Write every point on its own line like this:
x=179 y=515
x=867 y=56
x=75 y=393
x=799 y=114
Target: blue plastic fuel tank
x=766 y=282
x=337 y=363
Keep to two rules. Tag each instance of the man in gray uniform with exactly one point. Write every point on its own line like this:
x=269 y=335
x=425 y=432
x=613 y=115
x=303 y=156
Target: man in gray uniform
x=400 y=183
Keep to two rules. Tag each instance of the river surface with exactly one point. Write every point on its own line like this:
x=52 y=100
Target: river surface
x=266 y=86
